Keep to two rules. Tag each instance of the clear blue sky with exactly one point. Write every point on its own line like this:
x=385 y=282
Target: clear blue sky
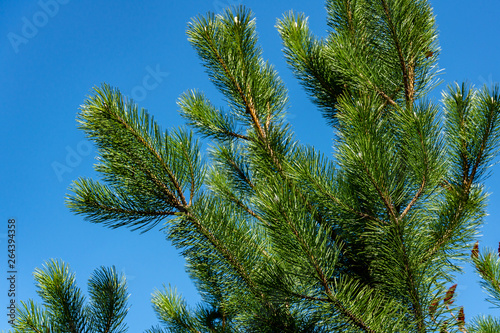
x=59 y=54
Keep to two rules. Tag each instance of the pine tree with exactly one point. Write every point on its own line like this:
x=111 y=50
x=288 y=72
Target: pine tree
x=487 y=266
x=280 y=237
x=64 y=308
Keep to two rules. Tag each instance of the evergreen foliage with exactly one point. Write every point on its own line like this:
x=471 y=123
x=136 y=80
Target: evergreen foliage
x=279 y=237
x=64 y=308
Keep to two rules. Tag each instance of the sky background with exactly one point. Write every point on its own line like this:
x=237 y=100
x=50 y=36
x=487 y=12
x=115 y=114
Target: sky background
x=65 y=50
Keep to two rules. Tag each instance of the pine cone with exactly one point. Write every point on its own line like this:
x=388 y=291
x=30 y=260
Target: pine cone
x=475 y=250
x=461 y=319
x=449 y=295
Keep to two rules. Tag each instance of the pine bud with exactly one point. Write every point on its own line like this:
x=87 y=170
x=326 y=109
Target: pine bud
x=461 y=319
x=475 y=250
x=449 y=294
x=429 y=54
x=433 y=307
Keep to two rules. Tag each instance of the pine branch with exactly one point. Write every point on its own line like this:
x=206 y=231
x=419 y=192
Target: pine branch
x=167 y=169
x=57 y=287
x=383 y=94
x=247 y=209
x=140 y=139
x=208 y=120
x=280 y=240
x=114 y=210
x=358 y=322
x=31 y=318
x=421 y=143
x=412 y=287
x=487 y=265
x=219 y=247
x=413 y=200
x=108 y=306
x=408 y=71
x=381 y=192
x=468 y=116
x=451 y=230
x=355 y=212
x=482 y=324
x=307 y=57
x=310 y=176
x=245 y=96
x=172 y=310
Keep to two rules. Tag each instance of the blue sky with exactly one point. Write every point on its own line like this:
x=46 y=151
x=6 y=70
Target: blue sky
x=51 y=57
